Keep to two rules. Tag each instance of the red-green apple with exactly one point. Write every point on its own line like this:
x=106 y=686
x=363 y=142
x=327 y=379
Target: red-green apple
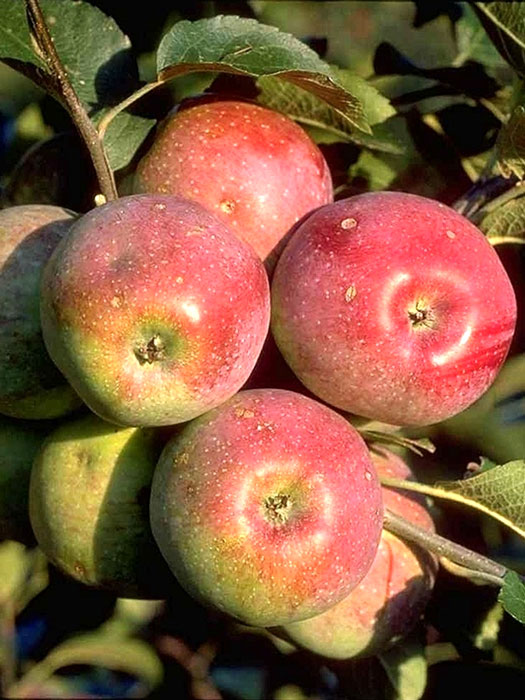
x=255 y=168
x=268 y=507
x=390 y=599
x=393 y=307
x=88 y=504
x=30 y=384
x=154 y=310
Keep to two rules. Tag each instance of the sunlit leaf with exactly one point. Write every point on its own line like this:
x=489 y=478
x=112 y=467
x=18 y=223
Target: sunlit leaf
x=127 y=655
x=506 y=224
x=505 y=24
x=406 y=667
x=245 y=47
x=499 y=491
x=510 y=145
x=473 y=41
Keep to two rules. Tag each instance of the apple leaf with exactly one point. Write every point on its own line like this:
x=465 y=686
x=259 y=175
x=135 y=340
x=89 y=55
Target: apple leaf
x=506 y=224
x=244 y=46
x=418 y=446
x=504 y=22
x=406 y=667
x=473 y=41
x=15 y=39
x=512 y=596
x=510 y=145
x=326 y=124
x=497 y=492
x=14 y=567
x=123 y=137
x=486 y=636
x=95 y=52
x=124 y=654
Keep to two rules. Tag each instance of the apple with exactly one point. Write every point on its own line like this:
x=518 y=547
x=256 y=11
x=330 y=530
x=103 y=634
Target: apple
x=253 y=167
x=57 y=170
x=267 y=508
x=31 y=386
x=392 y=306
x=154 y=310
x=495 y=424
x=88 y=505
x=388 y=602
x=20 y=441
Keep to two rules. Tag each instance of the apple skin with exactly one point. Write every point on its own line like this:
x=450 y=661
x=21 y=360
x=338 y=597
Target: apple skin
x=494 y=426
x=267 y=508
x=57 y=170
x=154 y=310
x=393 y=307
x=253 y=167
x=390 y=599
x=88 y=506
x=31 y=385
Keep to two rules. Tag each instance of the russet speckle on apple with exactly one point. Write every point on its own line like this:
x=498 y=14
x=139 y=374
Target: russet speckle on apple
x=405 y=316
x=154 y=311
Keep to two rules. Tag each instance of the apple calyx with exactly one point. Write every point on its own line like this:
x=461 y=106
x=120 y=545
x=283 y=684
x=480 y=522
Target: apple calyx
x=152 y=351
x=421 y=316
x=277 y=509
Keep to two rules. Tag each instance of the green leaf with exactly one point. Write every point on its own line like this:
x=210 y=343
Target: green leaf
x=419 y=445
x=512 y=596
x=506 y=224
x=406 y=667
x=123 y=137
x=486 y=636
x=510 y=145
x=497 y=492
x=505 y=24
x=473 y=41
x=128 y=655
x=325 y=123
x=14 y=568
x=95 y=52
x=245 y=47
x=15 y=39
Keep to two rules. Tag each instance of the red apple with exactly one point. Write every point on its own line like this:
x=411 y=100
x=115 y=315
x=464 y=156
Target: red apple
x=154 y=310
x=390 y=599
x=268 y=507
x=392 y=306
x=253 y=167
x=30 y=384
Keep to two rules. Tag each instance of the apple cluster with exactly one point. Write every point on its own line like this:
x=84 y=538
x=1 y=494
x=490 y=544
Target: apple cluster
x=143 y=446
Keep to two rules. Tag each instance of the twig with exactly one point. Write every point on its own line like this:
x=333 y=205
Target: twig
x=195 y=663
x=486 y=569
x=83 y=123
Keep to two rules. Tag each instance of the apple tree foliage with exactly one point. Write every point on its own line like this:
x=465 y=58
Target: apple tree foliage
x=417 y=97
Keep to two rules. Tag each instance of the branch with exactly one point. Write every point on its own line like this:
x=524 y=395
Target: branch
x=486 y=569
x=82 y=122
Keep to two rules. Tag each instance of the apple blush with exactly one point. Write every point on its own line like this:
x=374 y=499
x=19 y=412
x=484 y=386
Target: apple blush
x=267 y=508
x=391 y=598
x=254 y=168
x=393 y=307
x=153 y=310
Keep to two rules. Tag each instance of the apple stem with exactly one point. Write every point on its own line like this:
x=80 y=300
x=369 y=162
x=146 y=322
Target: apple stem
x=485 y=569
x=66 y=91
